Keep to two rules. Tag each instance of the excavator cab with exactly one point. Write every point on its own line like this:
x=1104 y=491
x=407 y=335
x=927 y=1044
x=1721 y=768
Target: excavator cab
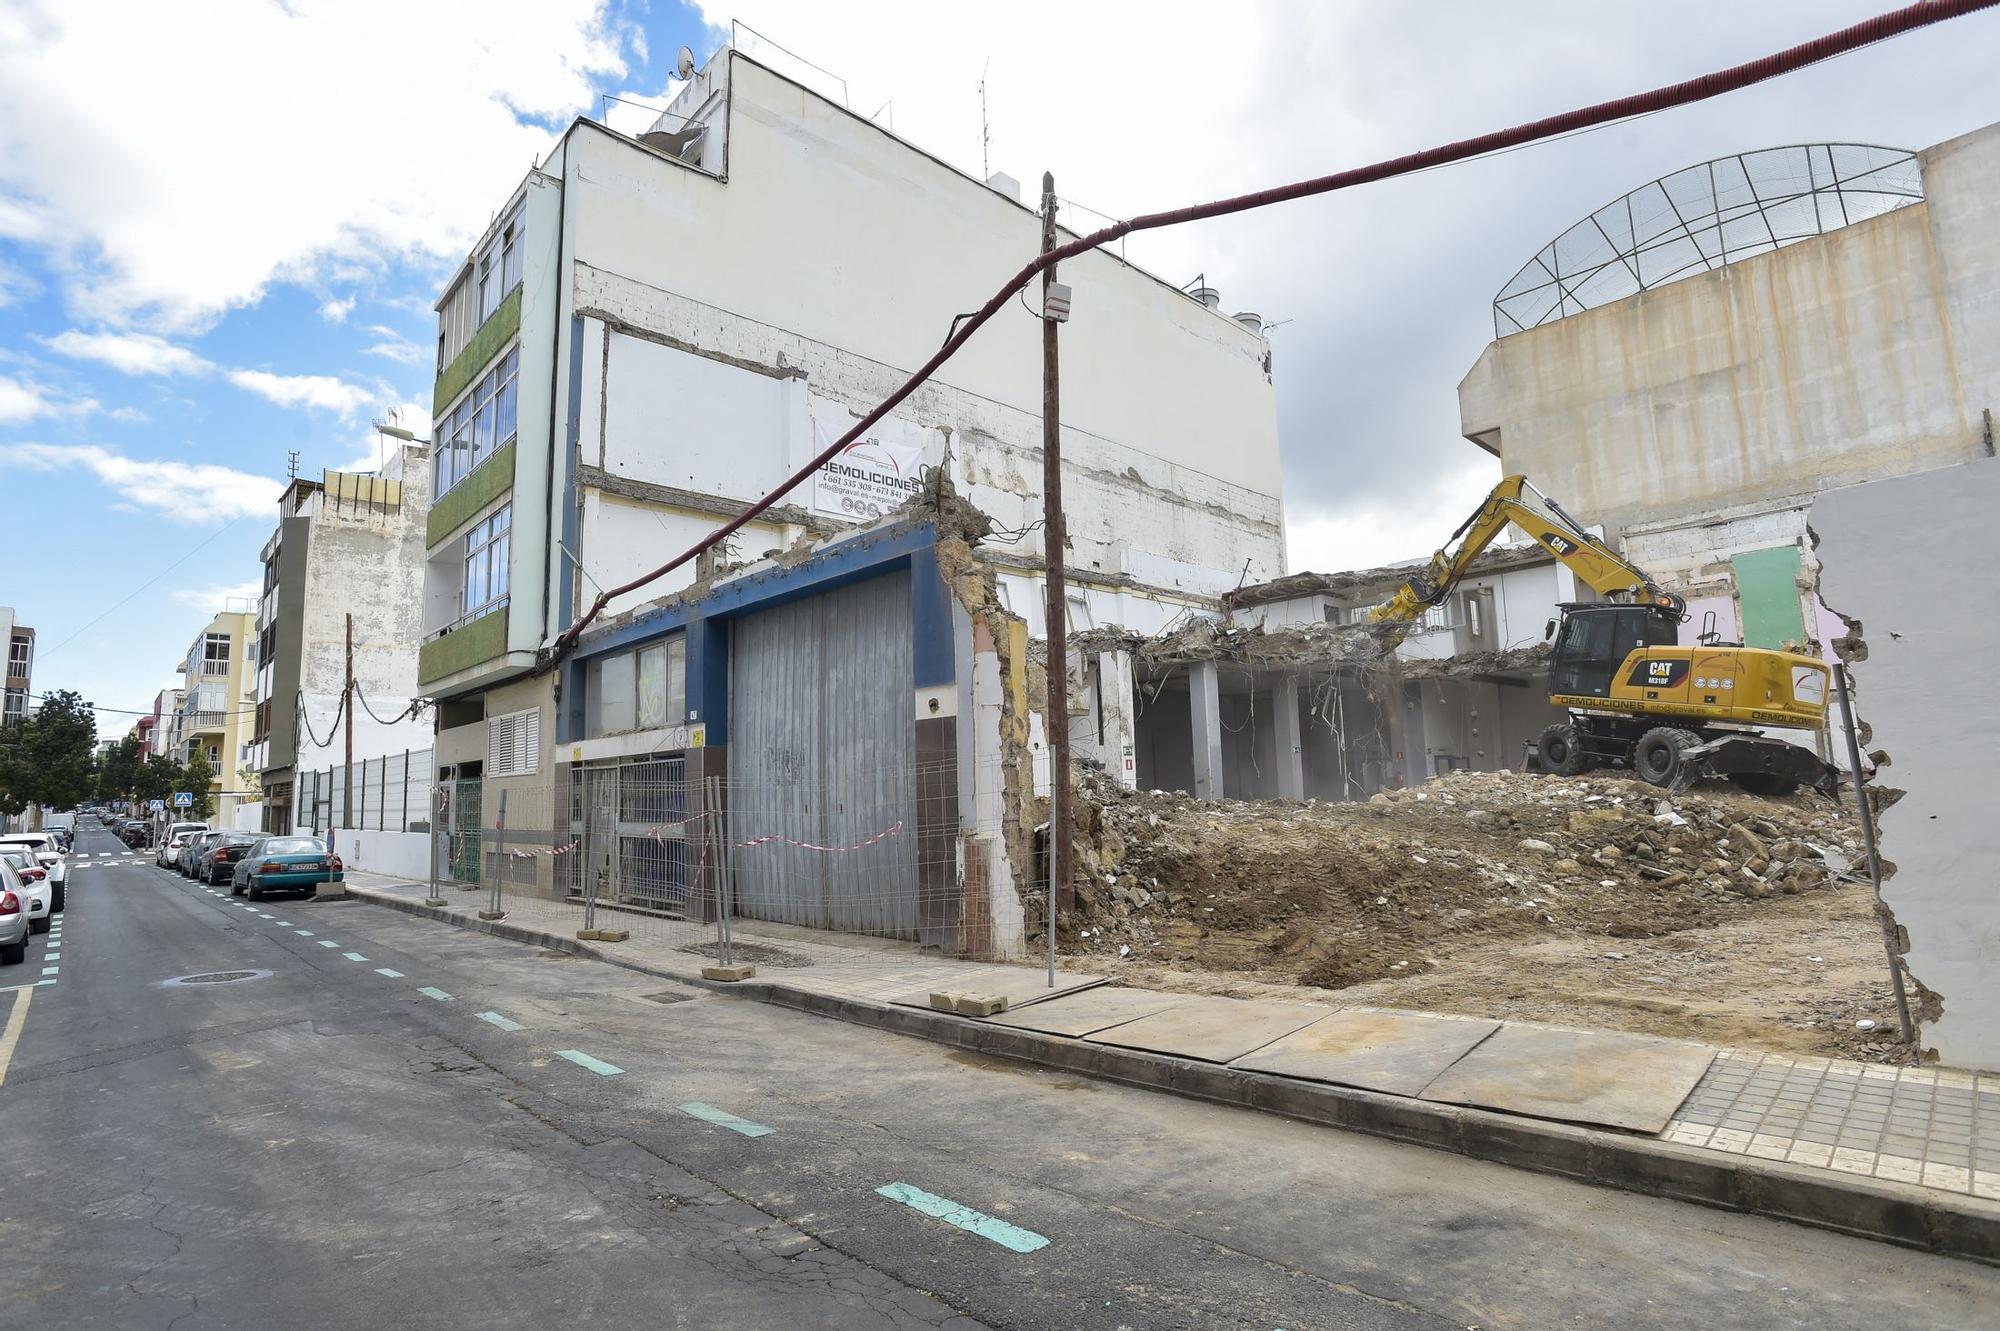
x=1594 y=639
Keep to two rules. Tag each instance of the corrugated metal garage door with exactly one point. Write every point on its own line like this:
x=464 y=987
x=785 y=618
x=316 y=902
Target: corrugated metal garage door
x=822 y=749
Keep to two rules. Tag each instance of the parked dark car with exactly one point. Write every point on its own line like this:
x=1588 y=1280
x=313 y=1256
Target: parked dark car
x=283 y=862
x=186 y=859
x=135 y=832
x=216 y=859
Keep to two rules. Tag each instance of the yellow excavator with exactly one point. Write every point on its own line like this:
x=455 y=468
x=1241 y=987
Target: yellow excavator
x=1636 y=697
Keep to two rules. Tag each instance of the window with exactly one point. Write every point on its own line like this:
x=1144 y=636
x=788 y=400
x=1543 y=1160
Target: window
x=514 y=743
x=483 y=422
x=662 y=684
x=1079 y=613
x=17 y=656
x=215 y=654
x=643 y=689
x=486 y=548
x=498 y=267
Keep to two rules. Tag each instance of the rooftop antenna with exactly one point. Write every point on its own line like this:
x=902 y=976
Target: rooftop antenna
x=292 y=465
x=985 y=167
x=684 y=64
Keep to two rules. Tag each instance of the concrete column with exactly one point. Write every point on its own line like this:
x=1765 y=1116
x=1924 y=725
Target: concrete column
x=1291 y=752
x=1205 y=715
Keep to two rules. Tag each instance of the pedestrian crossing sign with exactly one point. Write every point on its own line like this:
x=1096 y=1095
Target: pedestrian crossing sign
x=183 y=800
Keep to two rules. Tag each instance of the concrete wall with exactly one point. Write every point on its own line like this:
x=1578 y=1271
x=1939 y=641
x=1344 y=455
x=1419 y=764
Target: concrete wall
x=366 y=561
x=733 y=352
x=398 y=854
x=1871 y=351
x=1925 y=686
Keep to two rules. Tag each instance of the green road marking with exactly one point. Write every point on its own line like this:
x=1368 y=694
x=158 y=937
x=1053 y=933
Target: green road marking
x=583 y=1060
x=430 y=992
x=495 y=1019
x=384 y=970
x=328 y=942
x=722 y=1119
x=967 y=1219
x=354 y=956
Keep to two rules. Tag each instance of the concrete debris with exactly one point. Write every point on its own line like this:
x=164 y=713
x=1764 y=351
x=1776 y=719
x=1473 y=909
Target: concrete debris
x=1336 y=895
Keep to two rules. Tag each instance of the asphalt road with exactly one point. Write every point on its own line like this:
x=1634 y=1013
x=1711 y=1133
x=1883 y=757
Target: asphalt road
x=327 y=1146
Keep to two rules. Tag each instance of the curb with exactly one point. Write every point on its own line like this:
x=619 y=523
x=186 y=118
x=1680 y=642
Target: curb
x=1907 y=1216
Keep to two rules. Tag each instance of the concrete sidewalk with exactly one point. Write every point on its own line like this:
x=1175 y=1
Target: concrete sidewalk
x=1907 y=1155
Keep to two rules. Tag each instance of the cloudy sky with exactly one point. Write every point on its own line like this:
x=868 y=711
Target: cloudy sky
x=222 y=224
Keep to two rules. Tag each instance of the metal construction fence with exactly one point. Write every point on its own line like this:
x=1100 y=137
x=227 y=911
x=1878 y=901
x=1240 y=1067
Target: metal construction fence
x=775 y=873
x=390 y=794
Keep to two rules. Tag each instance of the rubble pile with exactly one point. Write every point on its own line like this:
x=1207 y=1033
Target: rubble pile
x=1338 y=894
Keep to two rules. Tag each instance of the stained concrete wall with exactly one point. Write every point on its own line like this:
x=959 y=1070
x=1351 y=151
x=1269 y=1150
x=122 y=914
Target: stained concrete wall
x=1926 y=687
x=716 y=289
x=1872 y=351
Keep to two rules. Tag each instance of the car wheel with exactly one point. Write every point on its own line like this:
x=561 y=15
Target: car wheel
x=253 y=892
x=57 y=904
x=16 y=954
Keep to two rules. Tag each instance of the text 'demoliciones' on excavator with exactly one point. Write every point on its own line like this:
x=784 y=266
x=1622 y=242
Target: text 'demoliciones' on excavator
x=1636 y=696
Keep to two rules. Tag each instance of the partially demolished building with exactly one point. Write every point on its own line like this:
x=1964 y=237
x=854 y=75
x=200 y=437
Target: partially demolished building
x=1285 y=692
x=1772 y=377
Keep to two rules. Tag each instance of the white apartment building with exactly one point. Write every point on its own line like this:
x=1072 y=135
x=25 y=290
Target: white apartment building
x=657 y=330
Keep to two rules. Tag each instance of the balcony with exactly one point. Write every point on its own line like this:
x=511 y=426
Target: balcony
x=463 y=646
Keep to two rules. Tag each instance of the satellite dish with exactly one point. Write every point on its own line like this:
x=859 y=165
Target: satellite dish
x=684 y=64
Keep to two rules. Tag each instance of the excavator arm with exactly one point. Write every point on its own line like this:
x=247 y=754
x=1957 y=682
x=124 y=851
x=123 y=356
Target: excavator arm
x=1516 y=501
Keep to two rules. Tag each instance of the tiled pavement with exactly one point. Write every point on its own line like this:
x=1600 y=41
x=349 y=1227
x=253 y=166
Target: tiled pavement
x=1934 y=1127
x=1931 y=1126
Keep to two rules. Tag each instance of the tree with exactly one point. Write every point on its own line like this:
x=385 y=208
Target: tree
x=197 y=777
x=119 y=771
x=158 y=779
x=49 y=758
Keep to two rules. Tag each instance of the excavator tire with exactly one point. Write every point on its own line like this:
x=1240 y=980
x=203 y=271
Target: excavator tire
x=1560 y=749
x=1657 y=755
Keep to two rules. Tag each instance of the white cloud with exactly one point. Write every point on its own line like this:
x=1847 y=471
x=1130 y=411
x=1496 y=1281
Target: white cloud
x=219 y=594
x=1371 y=531
x=129 y=353
x=173 y=214
x=303 y=390
x=336 y=311
x=24 y=400
x=21 y=401
x=400 y=350
x=192 y=493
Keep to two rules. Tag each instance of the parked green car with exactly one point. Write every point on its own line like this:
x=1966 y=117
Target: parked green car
x=282 y=862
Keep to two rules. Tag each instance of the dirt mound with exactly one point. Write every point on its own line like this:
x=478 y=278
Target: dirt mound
x=1339 y=895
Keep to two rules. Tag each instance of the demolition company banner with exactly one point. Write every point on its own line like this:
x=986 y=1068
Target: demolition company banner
x=874 y=474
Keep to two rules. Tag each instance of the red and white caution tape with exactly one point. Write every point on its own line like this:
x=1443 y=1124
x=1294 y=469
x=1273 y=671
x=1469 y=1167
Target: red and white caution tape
x=893 y=830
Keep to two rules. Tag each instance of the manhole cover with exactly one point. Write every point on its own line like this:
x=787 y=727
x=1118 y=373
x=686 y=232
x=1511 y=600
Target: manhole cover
x=755 y=953
x=217 y=977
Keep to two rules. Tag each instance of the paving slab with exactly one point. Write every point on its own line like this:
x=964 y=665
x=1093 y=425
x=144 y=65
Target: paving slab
x=1087 y=1011
x=1214 y=1030
x=1397 y=1052
x=1603 y=1078
x=1020 y=986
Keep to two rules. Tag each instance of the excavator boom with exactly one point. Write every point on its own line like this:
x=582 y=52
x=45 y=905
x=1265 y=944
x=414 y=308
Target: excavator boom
x=1516 y=501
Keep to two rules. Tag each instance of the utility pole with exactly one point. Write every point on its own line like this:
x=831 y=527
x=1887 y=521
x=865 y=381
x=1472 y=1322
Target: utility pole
x=1058 y=602
x=347 y=708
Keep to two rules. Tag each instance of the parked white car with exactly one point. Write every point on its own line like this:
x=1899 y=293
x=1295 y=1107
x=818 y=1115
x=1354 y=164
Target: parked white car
x=168 y=852
x=49 y=855
x=34 y=886
x=13 y=917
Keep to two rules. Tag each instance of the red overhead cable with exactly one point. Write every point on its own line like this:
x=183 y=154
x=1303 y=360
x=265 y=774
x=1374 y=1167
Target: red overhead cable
x=1761 y=70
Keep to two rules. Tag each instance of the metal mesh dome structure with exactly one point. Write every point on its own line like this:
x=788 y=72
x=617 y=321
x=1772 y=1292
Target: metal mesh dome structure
x=1702 y=217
